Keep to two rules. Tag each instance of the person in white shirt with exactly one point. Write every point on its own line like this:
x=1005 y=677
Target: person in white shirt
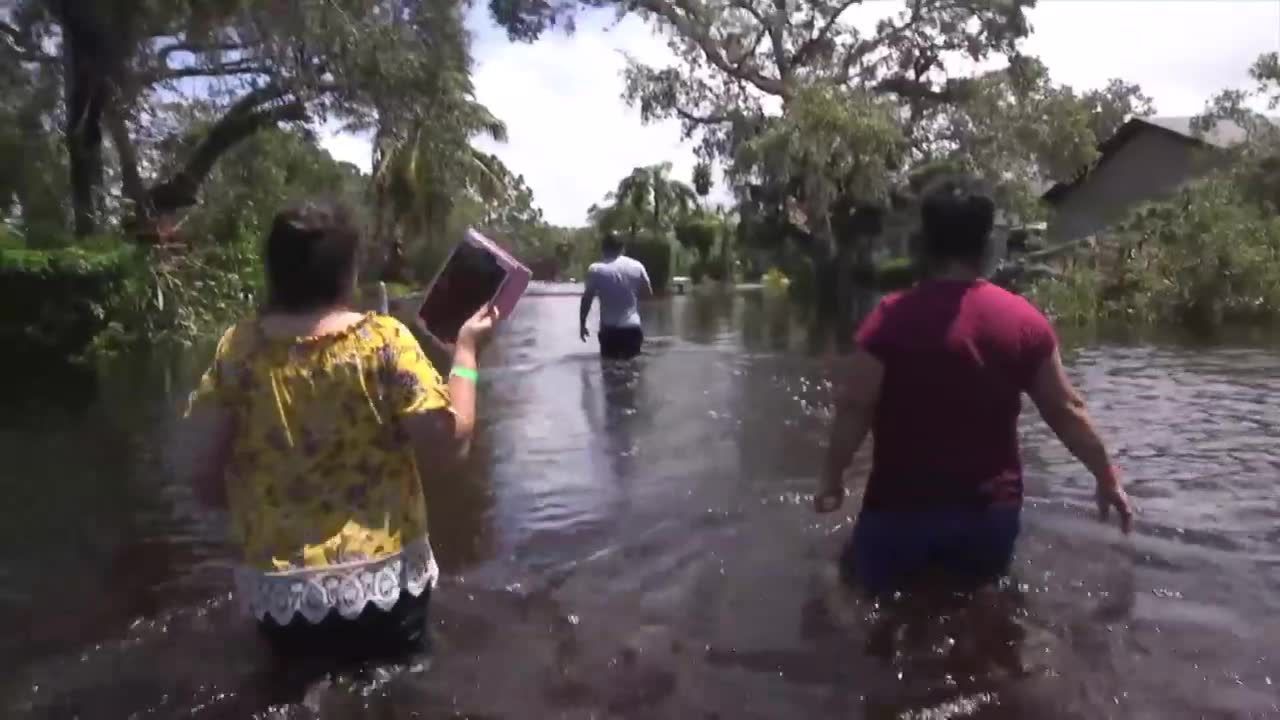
x=619 y=282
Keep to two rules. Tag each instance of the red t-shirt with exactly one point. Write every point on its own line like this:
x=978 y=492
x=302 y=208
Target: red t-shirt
x=957 y=357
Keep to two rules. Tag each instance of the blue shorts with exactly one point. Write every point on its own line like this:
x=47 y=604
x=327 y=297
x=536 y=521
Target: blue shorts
x=890 y=549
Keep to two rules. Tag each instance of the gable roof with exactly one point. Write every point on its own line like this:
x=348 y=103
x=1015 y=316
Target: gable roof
x=1224 y=134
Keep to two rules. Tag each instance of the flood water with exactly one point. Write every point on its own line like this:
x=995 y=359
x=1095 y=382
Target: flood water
x=637 y=541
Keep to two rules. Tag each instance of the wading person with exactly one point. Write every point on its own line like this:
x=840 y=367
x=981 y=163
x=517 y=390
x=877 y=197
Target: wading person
x=312 y=427
x=937 y=379
x=619 y=282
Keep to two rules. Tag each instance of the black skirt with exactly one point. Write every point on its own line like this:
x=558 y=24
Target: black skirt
x=374 y=634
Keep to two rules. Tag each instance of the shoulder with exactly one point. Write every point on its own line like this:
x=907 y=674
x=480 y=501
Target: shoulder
x=390 y=329
x=633 y=263
x=1013 y=305
x=1017 y=318
x=595 y=268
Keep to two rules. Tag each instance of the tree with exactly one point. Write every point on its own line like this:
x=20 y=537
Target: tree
x=1256 y=160
x=646 y=199
x=420 y=178
x=813 y=121
x=1209 y=254
x=126 y=65
x=33 y=186
x=1113 y=105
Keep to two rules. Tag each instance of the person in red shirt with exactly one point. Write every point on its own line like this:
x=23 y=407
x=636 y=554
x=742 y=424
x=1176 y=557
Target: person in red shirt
x=937 y=378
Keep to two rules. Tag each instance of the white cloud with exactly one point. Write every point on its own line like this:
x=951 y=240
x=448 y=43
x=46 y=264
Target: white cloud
x=573 y=137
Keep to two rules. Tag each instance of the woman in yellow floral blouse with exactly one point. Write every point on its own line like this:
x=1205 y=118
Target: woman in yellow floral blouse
x=312 y=427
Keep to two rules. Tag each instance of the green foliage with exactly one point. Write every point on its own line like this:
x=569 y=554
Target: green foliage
x=699 y=234
x=820 y=124
x=54 y=302
x=831 y=142
x=1206 y=258
x=655 y=253
x=177 y=296
x=194 y=124
x=648 y=199
x=260 y=176
x=707 y=238
x=244 y=66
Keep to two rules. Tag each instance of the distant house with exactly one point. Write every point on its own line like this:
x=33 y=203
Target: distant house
x=1147 y=159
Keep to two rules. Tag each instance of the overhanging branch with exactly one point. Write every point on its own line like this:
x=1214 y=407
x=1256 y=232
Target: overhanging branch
x=242 y=67
x=685 y=18
x=810 y=46
x=257 y=110
x=862 y=49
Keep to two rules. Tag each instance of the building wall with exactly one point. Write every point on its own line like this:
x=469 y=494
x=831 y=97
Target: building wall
x=1151 y=166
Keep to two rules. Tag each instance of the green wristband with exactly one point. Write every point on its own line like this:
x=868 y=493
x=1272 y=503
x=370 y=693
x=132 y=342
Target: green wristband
x=466 y=373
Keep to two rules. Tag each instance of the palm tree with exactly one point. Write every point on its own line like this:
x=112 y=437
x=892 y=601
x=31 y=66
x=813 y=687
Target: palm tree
x=647 y=199
x=425 y=165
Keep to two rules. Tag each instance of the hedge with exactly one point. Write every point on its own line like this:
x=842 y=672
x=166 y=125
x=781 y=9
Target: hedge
x=52 y=302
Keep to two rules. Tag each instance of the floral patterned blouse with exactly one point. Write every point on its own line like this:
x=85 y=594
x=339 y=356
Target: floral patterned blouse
x=323 y=489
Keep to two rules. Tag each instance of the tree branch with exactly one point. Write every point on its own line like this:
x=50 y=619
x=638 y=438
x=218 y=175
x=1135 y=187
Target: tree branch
x=776 y=23
x=130 y=179
x=257 y=110
x=239 y=67
x=803 y=55
x=909 y=88
x=862 y=49
x=694 y=118
x=689 y=24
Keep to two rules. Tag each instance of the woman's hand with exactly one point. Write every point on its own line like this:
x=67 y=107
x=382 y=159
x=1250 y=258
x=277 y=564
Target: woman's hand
x=478 y=330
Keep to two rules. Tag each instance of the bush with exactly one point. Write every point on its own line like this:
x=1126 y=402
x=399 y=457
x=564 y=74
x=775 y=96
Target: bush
x=655 y=253
x=176 y=296
x=53 y=303
x=1205 y=258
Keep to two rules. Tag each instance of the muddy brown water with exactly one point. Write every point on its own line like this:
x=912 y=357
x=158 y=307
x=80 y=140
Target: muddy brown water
x=636 y=541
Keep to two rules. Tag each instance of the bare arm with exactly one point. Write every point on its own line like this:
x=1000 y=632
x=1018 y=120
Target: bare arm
x=1064 y=411
x=646 y=287
x=855 y=411
x=200 y=451
x=444 y=435
x=584 y=309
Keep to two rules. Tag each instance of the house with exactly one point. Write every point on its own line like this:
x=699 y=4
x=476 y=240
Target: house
x=1147 y=159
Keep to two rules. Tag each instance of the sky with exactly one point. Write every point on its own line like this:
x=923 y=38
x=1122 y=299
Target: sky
x=573 y=137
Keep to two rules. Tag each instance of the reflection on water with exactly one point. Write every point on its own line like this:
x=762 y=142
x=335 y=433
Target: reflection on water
x=635 y=540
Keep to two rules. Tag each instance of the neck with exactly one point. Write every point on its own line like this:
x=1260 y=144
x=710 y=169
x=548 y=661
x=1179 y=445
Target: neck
x=960 y=272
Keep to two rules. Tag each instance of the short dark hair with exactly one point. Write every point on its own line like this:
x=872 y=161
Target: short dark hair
x=956 y=218
x=612 y=243
x=310 y=256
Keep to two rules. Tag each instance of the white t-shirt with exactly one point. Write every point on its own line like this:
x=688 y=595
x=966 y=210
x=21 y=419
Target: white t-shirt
x=617 y=283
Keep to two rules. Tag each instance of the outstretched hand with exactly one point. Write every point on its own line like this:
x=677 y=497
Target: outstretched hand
x=1110 y=494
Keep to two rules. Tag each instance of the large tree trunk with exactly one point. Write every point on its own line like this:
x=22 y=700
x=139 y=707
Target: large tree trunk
x=96 y=37
x=86 y=91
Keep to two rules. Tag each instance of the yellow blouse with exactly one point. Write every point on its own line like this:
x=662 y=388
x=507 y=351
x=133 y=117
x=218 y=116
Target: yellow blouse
x=321 y=472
